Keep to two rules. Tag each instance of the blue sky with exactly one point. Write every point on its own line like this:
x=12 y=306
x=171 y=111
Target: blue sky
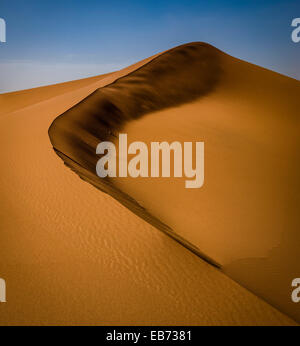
x=59 y=40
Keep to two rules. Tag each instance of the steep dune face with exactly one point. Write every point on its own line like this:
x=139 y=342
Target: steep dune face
x=244 y=218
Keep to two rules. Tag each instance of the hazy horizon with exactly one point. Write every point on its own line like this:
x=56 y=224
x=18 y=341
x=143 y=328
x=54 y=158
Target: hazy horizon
x=55 y=41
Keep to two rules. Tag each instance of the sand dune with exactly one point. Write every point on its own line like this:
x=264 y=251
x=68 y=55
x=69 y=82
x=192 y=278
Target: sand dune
x=245 y=217
x=13 y=101
x=73 y=255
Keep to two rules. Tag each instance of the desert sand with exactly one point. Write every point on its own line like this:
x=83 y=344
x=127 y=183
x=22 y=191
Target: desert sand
x=71 y=254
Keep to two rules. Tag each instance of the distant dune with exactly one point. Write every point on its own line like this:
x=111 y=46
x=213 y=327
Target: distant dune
x=19 y=99
x=72 y=255
x=245 y=218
